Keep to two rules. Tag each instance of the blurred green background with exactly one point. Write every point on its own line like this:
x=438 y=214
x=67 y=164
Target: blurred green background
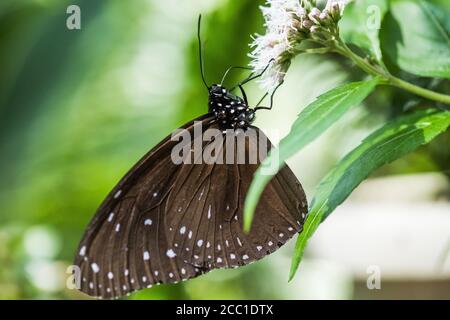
x=79 y=107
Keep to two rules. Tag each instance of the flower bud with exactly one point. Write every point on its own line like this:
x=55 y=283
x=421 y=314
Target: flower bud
x=314 y=15
x=307 y=24
x=335 y=11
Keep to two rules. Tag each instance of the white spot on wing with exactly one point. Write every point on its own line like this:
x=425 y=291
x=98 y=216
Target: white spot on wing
x=270 y=243
x=183 y=270
x=148 y=222
x=146 y=255
x=245 y=257
x=83 y=251
x=111 y=216
x=170 y=253
x=117 y=227
x=259 y=248
x=182 y=230
x=239 y=241
x=209 y=212
x=200 y=242
x=219 y=260
x=95 y=267
x=110 y=275
x=118 y=193
x=190 y=234
x=232 y=256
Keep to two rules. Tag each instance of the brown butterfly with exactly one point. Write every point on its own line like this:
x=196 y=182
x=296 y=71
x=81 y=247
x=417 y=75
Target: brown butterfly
x=166 y=221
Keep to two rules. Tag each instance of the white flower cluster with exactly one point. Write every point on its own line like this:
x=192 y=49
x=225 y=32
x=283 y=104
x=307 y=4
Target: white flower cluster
x=287 y=22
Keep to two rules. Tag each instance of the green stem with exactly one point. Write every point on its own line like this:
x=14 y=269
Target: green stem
x=388 y=78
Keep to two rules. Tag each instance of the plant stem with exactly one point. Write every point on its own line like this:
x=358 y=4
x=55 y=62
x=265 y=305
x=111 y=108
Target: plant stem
x=389 y=79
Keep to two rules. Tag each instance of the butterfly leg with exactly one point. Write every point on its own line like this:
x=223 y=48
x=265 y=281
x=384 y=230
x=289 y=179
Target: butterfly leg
x=271 y=98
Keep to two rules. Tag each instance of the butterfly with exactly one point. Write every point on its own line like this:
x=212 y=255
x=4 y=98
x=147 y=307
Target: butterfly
x=166 y=222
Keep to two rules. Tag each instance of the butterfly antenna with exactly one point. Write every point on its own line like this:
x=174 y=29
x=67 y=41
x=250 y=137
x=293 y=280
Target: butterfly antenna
x=200 y=51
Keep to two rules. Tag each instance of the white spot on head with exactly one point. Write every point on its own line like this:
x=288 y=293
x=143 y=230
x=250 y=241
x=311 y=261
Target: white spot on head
x=232 y=256
x=83 y=251
x=259 y=248
x=219 y=260
x=183 y=271
x=270 y=243
x=170 y=253
x=148 y=222
x=95 y=267
x=146 y=255
x=111 y=216
x=200 y=242
x=110 y=275
x=182 y=230
x=245 y=257
x=117 y=227
x=118 y=193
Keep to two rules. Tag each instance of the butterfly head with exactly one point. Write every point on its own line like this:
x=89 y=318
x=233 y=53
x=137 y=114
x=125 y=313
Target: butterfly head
x=231 y=111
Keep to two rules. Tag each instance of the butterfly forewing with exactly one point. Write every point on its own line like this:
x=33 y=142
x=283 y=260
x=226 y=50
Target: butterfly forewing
x=167 y=222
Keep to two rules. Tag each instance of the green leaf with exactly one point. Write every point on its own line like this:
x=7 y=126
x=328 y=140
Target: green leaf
x=361 y=23
x=389 y=143
x=416 y=36
x=310 y=124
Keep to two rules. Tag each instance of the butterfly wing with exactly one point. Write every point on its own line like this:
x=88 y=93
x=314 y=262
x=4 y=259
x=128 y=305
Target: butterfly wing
x=117 y=252
x=165 y=222
x=205 y=213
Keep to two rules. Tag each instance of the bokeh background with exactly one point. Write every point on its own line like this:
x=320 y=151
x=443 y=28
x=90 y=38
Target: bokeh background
x=79 y=107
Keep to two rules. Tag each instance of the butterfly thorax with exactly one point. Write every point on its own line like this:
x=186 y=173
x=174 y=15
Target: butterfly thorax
x=230 y=110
